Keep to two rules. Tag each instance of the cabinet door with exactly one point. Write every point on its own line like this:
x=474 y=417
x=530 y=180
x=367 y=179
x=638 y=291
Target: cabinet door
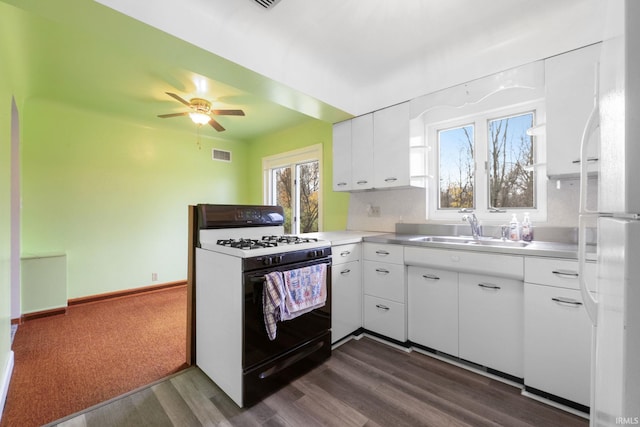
x=557 y=356
x=346 y=299
x=362 y=152
x=391 y=145
x=491 y=322
x=385 y=317
x=570 y=88
x=432 y=308
x=342 y=156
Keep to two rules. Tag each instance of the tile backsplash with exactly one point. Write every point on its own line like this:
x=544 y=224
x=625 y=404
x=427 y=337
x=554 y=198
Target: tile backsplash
x=381 y=210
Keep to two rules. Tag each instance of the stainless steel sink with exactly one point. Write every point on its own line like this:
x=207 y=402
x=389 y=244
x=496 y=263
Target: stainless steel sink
x=499 y=242
x=469 y=240
x=443 y=239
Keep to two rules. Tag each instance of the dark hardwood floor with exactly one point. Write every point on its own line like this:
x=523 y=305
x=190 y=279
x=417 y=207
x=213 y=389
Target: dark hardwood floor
x=364 y=383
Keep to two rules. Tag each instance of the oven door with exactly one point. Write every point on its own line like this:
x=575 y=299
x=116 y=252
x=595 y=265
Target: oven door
x=290 y=333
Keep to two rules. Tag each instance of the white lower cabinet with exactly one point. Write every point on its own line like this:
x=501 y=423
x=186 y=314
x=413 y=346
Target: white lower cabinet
x=346 y=287
x=384 y=290
x=432 y=300
x=491 y=322
x=557 y=330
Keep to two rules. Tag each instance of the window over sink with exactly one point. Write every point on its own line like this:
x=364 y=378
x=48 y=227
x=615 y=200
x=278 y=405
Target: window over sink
x=486 y=162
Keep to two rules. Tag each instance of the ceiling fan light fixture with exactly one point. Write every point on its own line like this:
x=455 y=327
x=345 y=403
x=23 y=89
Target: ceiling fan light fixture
x=199 y=118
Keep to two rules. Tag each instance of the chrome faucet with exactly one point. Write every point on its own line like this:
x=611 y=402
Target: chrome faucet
x=476 y=228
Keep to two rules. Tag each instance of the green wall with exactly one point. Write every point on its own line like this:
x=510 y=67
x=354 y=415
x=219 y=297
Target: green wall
x=334 y=205
x=113 y=195
x=12 y=82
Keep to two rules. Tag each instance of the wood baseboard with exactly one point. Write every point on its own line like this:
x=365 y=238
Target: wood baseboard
x=125 y=293
x=44 y=313
x=96 y=298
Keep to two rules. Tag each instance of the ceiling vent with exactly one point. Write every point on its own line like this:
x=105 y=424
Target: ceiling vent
x=267 y=3
x=221 y=155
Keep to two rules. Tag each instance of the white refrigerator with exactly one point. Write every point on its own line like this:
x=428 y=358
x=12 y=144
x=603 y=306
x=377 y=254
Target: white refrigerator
x=614 y=307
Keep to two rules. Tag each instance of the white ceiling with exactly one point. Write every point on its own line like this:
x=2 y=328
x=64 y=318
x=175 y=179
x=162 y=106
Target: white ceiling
x=359 y=56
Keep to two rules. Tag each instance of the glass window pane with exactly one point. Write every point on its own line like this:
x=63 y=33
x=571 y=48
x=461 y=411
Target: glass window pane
x=281 y=179
x=308 y=175
x=456 y=167
x=510 y=151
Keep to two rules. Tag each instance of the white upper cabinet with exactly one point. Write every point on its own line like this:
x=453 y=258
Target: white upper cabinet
x=342 y=156
x=362 y=152
x=375 y=151
x=391 y=142
x=570 y=89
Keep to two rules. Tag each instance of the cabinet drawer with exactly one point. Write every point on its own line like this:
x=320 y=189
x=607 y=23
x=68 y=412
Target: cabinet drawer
x=384 y=280
x=511 y=266
x=557 y=272
x=386 y=253
x=345 y=253
x=385 y=317
x=557 y=357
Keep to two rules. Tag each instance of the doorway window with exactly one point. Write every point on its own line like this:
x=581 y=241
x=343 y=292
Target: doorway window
x=293 y=181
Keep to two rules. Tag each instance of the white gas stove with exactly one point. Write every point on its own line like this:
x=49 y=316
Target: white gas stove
x=239 y=249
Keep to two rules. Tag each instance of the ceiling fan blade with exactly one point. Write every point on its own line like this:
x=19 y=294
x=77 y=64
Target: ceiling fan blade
x=228 y=112
x=177 y=98
x=217 y=126
x=166 y=116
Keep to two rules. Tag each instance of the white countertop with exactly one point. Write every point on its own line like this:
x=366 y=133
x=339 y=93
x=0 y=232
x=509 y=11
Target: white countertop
x=342 y=237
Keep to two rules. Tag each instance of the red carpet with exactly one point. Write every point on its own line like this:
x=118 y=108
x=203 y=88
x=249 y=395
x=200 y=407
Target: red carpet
x=95 y=352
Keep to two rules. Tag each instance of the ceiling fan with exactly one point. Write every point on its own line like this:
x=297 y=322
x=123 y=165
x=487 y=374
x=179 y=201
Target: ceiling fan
x=201 y=112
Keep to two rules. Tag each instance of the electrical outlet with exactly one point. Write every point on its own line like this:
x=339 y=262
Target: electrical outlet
x=154 y=277
x=375 y=211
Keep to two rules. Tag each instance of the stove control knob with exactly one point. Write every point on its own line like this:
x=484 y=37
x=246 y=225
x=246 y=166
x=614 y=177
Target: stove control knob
x=267 y=260
x=315 y=253
x=278 y=259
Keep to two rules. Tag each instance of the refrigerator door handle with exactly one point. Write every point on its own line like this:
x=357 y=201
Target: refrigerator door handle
x=593 y=123
x=590 y=303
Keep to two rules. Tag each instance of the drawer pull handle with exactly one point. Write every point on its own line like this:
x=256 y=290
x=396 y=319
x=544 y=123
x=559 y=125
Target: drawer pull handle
x=568 y=274
x=382 y=307
x=569 y=301
x=382 y=253
x=488 y=286
x=431 y=276
x=341 y=184
x=391 y=179
x=362 y=182
x=589 y=159
x=382 y=270
x=347 y=271
x=345 y=253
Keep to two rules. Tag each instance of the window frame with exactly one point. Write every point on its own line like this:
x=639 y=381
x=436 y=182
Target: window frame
x=291 y=159
x=480 y=121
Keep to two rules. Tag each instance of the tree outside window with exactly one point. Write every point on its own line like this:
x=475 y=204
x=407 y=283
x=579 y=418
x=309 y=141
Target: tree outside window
x=511 y=184
x=293 y=180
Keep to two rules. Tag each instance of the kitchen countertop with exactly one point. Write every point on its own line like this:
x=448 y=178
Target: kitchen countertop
x=535 y=248
x=341 y=237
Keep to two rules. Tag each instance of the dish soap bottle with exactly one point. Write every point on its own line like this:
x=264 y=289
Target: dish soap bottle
x=514 y=228
x=527 y=228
